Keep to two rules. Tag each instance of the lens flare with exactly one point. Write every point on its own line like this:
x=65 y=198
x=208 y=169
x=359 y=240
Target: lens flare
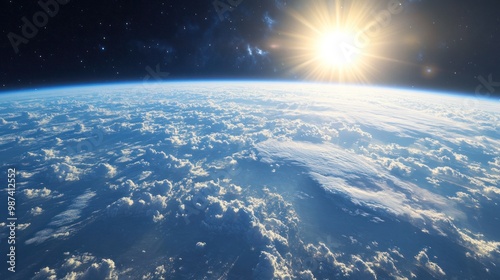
x=337 y=40
x=334 y=52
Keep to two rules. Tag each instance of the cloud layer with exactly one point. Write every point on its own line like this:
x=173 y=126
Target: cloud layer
x=262 y=180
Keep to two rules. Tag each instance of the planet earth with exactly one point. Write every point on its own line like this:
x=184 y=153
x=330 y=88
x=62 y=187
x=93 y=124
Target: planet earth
x=250 y=180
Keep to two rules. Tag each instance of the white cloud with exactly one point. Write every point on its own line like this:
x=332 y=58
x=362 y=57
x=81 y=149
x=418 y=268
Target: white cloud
x=105 y=170
x=45 y=273
x=36 y=211
x=66 y=172
x=466 y=199
x=40 y=236
x=363 y=269
x=397 y=171
x=159 y=274
x=23 y=226
x=475 y=242
x=495 y=162
x=105 y=269
x=141 y=204
x=60 y=224
x=74 y=210
x=385 y=262
x=34 y=193
x=271 y=266
x=342 y=172
x=81 y=267
x=306 y=275
x=433 y=268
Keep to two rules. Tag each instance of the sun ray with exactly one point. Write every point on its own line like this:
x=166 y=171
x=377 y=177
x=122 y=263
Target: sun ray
x=329 y=41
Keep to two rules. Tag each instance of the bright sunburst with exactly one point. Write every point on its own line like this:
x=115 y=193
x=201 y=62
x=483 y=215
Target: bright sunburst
x=333 y=51
x=335 y=40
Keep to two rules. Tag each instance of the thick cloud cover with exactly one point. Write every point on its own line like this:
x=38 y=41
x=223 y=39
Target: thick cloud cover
x=254 y=180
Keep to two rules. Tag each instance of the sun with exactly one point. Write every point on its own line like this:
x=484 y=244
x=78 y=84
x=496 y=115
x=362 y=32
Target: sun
x=334 y=52
x=327 y=40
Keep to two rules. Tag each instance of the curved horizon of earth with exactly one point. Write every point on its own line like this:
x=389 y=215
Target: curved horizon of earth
x=251 y=180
